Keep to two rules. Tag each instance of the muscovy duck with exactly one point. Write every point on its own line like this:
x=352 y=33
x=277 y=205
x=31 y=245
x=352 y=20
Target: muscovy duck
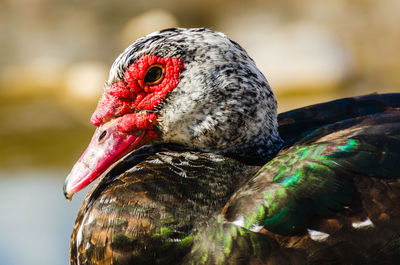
x=197 y=167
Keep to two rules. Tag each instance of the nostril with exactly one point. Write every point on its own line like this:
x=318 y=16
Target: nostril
x=102 y=135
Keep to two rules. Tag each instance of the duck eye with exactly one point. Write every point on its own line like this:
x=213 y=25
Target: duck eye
x=154 y=75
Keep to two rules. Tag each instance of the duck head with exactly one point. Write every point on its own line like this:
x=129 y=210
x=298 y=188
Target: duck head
x=192 y=87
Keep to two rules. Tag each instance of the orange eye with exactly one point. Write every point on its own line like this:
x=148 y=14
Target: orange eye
x=154 y=75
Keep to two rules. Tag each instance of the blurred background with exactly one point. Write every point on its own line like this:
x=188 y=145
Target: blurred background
x=54 y=60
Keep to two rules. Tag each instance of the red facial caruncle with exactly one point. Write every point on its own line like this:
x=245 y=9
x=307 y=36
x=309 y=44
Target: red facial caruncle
x=125 y=117
x=134 y=93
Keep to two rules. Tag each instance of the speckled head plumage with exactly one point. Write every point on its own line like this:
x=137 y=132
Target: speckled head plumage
x=220 y=101
x=220 y=90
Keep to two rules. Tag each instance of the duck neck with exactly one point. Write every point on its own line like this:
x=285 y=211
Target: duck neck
x=259 y=151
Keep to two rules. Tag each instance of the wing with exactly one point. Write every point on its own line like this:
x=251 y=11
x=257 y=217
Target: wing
x=294 y=124
x=349 y=167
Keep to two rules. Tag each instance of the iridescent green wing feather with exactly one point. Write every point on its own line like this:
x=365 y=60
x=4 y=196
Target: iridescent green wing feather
x=222 y=242
x=317 y=176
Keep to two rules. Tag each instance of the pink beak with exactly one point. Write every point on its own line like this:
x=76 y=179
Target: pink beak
x=108 y=145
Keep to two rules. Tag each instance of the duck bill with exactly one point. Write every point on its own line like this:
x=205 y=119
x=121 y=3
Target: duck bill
x=108 y=145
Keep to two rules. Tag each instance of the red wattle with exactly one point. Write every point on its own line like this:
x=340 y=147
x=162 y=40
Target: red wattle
x=136 y=121
x=121 y=98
